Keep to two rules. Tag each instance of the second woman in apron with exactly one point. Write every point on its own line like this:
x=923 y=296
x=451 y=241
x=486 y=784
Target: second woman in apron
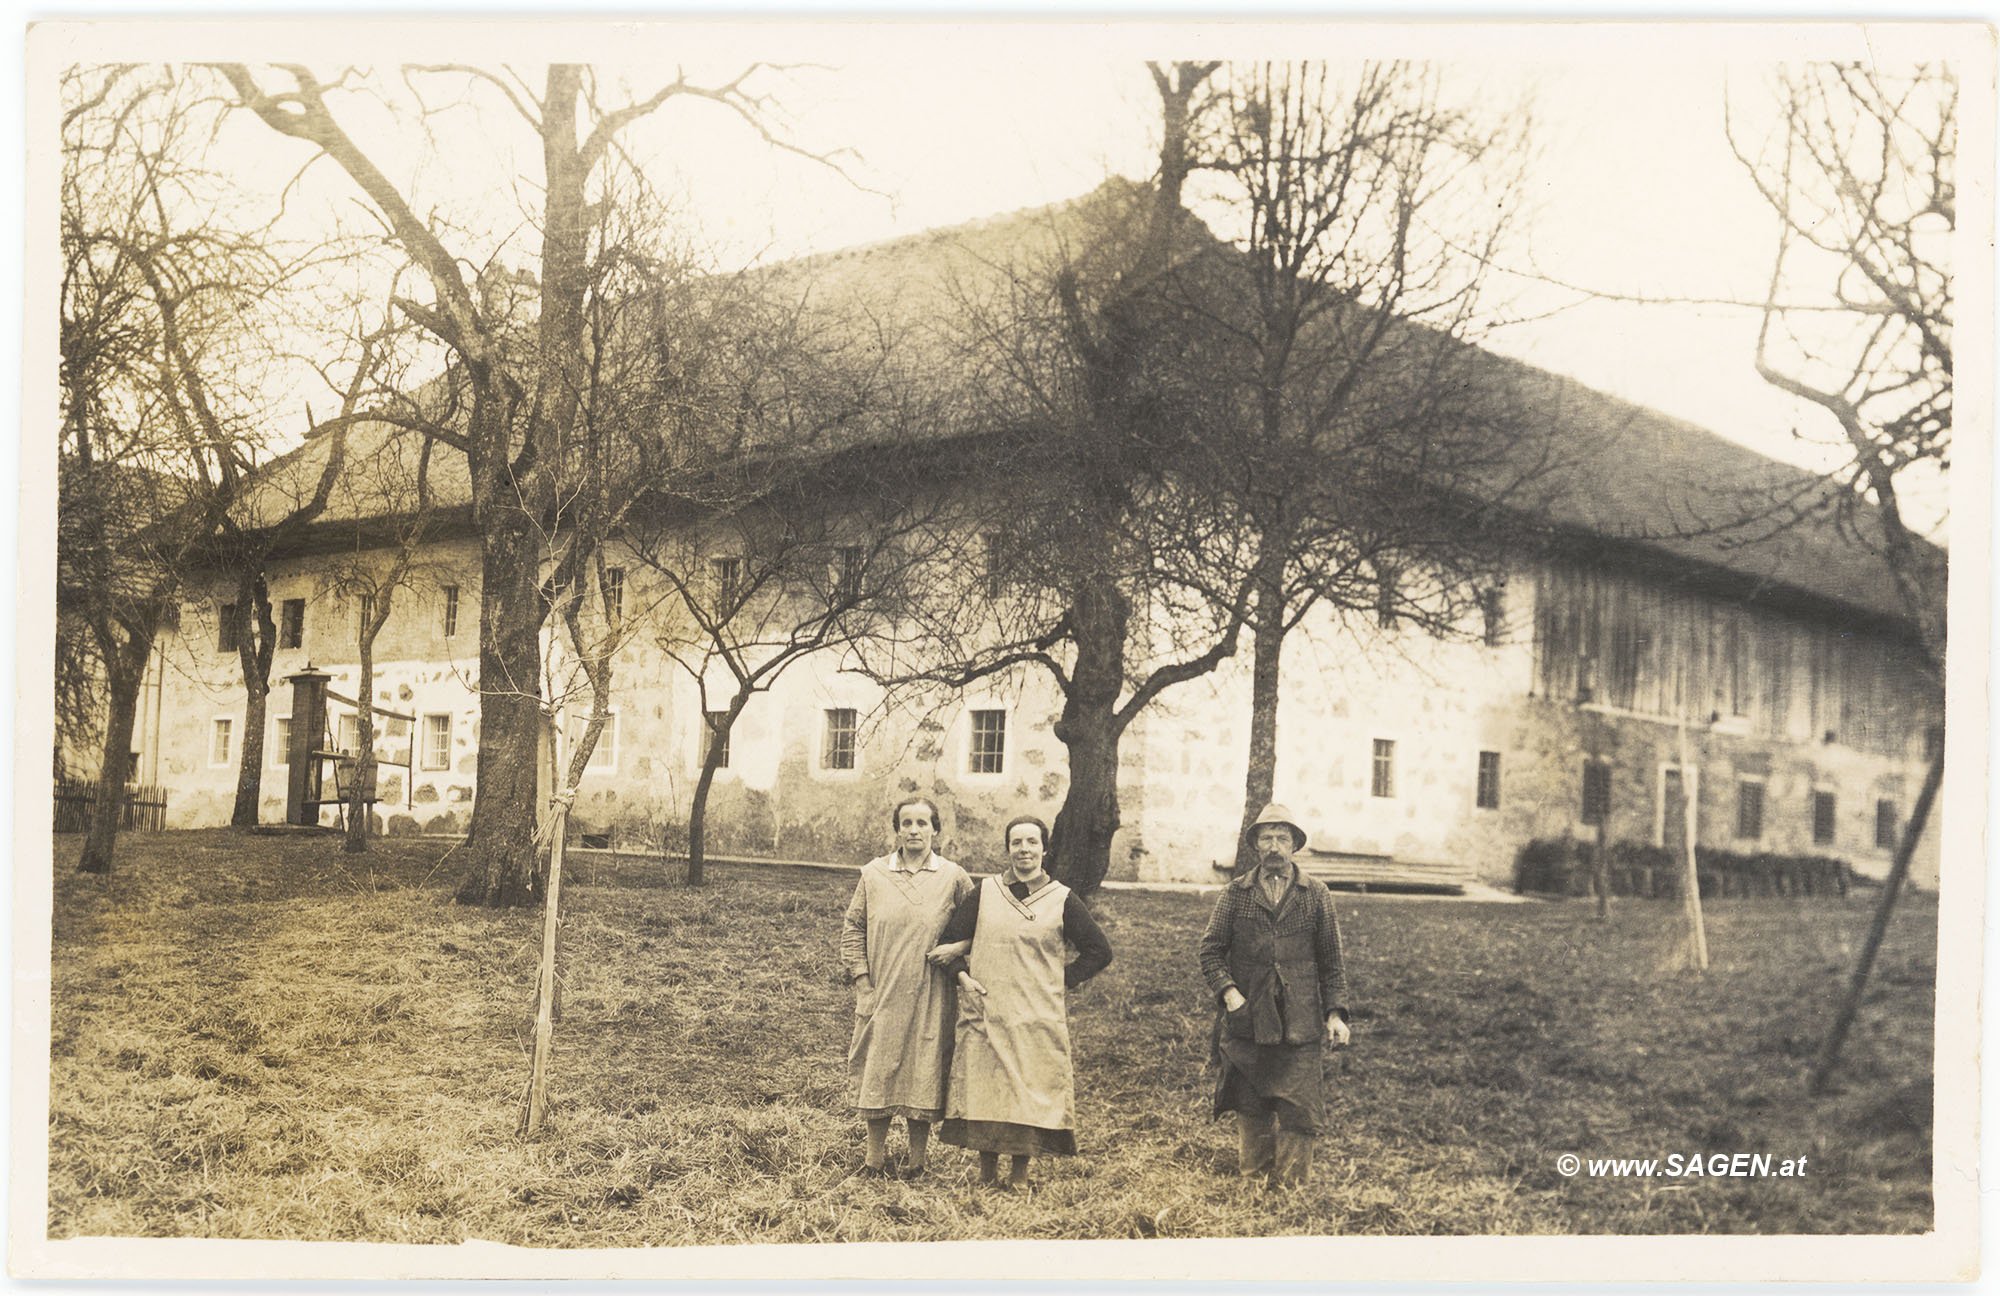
x=1013 y=1088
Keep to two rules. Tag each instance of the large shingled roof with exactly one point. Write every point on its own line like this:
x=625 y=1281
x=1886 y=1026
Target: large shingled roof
x=1628 y=475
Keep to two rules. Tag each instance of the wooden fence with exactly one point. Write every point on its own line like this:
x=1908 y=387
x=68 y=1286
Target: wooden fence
x=145 y=807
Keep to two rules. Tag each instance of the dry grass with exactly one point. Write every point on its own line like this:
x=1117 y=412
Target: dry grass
x=254 y=1038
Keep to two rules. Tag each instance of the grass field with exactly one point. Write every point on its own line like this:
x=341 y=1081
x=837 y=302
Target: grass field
x=260 y=1037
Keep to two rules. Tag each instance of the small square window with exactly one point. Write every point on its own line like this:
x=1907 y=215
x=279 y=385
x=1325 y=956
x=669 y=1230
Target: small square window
x=1488 y=796
x=988 y=751
x=228 y=628
x=1596 y=792
x=292 y=624
x=1823 y=818
x=1383 y=777
x=437 y=742
x=1749 y=810
x=718 y=737
x=1885 y=825
x=450 y=610
x=220 y=738
x=837 y=747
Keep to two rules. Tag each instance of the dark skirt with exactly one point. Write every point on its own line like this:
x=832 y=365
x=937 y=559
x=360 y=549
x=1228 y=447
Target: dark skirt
x=1007 y=1137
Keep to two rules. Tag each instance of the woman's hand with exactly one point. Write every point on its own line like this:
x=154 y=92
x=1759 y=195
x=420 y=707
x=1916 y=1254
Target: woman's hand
x=944 y=954
x=967 y=983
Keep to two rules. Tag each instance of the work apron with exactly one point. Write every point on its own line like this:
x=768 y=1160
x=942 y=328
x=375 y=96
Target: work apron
x=1012 y=1060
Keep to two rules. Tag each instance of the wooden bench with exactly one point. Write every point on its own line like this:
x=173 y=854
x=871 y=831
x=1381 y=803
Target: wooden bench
x=1357 y=871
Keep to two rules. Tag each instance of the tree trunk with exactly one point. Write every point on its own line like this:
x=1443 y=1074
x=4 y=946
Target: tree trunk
x=698 y=817
x=258 y=640
x=358 y=808
x=1899 y=869
x=1080 y=849
x=1266 y=651
x=502 y=837
x=125 y=669
x=250 y=770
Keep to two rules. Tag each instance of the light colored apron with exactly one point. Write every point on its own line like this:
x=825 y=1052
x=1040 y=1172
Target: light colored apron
x=902 y=1033
x=1012 y=1060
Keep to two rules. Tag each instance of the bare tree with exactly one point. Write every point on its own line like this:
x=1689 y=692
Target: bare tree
x=1861 y=172
x=161 y=289
x=523 y=383
x=1370 y=465
x=1072 y=562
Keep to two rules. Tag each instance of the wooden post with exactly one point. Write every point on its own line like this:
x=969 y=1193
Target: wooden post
x=1697 y=930
x=302 y=784
x=1899 y=869
x=538 y=1070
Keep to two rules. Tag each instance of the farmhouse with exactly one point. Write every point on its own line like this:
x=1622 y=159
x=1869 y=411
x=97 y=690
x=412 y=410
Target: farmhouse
x=1777 y=658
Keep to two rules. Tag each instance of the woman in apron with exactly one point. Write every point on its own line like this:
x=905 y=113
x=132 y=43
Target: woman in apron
x=898 y=1057
x=1013 y=1088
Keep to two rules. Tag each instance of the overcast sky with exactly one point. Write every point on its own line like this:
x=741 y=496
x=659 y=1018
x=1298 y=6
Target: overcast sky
x=1634 y=190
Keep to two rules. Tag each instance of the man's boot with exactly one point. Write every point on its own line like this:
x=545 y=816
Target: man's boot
x=1255 y=1144
x=1292 y=1159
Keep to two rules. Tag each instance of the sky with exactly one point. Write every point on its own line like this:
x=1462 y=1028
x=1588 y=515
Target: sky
x=1633 y=192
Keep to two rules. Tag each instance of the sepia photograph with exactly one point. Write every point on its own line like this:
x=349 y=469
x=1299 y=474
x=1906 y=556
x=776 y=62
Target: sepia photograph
x=694 y=648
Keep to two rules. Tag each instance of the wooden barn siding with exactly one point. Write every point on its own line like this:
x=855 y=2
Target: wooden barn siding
x=1673 y=652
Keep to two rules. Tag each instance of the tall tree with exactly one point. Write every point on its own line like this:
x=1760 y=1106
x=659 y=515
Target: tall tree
x=1371 y=466
x=1075 y=568
x=162 y=283
x=523 y=384
x=1861 y=172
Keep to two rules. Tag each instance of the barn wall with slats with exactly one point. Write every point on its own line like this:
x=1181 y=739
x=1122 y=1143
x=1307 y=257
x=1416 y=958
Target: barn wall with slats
x=1638 y=645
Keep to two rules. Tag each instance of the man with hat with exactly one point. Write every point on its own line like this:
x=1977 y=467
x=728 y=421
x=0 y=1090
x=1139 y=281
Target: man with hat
x=1271 y=954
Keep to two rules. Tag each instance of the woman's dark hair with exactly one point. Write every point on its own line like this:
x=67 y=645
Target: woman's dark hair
x=1007 y=833
x=896 y=813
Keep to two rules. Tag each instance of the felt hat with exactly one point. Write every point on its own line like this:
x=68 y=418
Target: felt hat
x=1277 y=814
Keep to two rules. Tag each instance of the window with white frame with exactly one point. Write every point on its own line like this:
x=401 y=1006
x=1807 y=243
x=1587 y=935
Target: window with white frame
x=986 y=750
x=450 y=610
x=614 y=593
x=603 y=756
x=281 y=741
x=1487 y=795
x=725 y=575
x=848 y=561
x=837 y=744
x=1382 y=777
x=717 y=737
x=436 y=754
x=347 y=733
x=221 y=736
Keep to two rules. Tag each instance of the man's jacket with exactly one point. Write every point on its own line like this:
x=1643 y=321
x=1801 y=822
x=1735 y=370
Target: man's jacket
x=1285 y=960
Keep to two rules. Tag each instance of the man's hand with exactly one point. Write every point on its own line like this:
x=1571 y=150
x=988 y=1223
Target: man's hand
x=944 y=954
x=1336 y=1030
x=1232 y=999
x=969 y=985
